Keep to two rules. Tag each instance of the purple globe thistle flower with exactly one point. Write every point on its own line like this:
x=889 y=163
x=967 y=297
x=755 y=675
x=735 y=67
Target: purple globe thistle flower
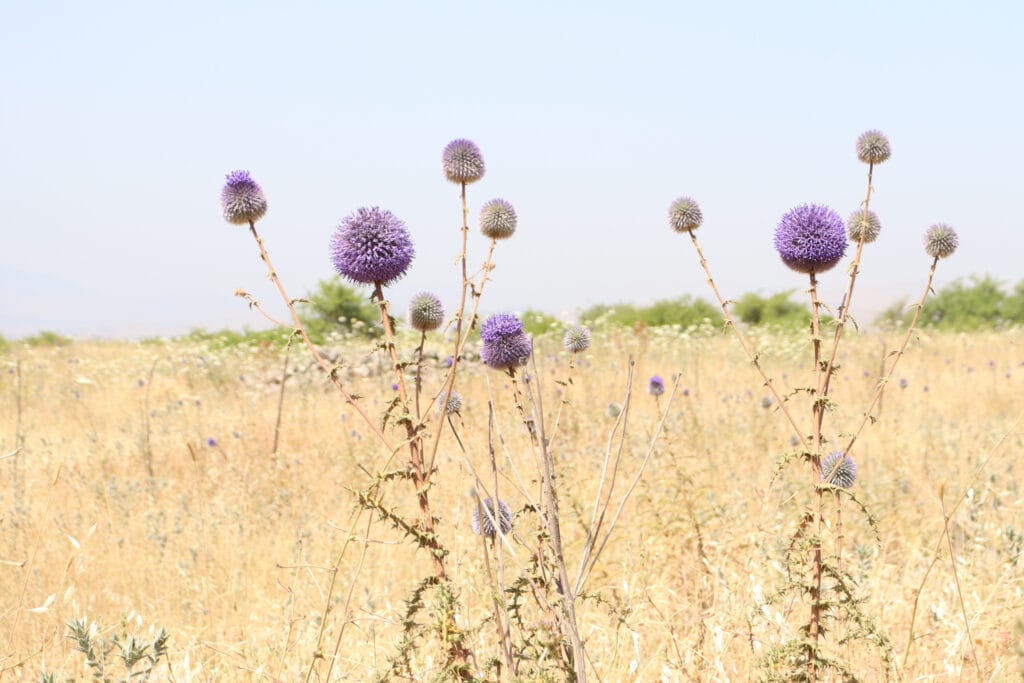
x=505 y=344
x=940 y=241
x=462 y=162
x=425 y=312
x=873 y=147
x=859 y=227
x=576 y=339
x=839 y=469
x=684 y=215
x=242 y=199
x=372 y=246
x=498 y=219
x=904 y=383
x=485 y=516
x=454 y=403
x=810 y=238
x=656 y=386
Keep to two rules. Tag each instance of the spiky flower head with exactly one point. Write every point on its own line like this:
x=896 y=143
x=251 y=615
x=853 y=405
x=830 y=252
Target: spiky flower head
x=613 y=410
x=485 y=516
x=372 y=246
x=425 y=312
x=810 y=238
x=839 y=469
x=684 y=215
x=242 y=199
x=940 y=241
x=656 y=386
x=498 y=219
x=462 y=162
x=859 y=226
x=873 y=147
x=576 y=339
x=505 y=344
x=454 y=403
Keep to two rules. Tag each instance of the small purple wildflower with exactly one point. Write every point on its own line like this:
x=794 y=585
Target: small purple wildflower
x=242 y=199
x=656 y=386
x=448 y=361
x=505 y=345
x=810 y=238
x=372 y=246
x=484 y=517
x=462 y=161
x=686 y=392
x=904 y=383
x=394 y=386
x=211 y=442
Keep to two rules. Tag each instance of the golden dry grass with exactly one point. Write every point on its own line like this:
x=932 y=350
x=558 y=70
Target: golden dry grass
x=229 y=548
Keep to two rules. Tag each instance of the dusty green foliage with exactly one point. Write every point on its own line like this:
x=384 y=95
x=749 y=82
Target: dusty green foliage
x=133 y=656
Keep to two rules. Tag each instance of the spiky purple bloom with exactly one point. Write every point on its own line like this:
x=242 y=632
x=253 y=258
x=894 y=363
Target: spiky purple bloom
x=860 y=227
x=940 y=241
x=242 y=199
x=684 y=215
x=873 y=147
x=810 y=238
x=462 y=161
x=498 y=219
x=506 y=345
x=839 y=469
x=485 y=516
x=372 y=246
x=656 y=386
x=576 y=339
x=425 y=312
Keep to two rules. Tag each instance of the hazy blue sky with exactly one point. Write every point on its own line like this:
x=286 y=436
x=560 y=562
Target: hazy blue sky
x=118 y=121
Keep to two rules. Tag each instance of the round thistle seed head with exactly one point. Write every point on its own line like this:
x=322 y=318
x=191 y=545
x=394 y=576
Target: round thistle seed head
x=505 y=344
x=372 y=246
x=498 y=219
x=656 y=386
x=613 y=410
x=485 y=517
x=940 y=241
x=873 y=147
x=462 y=162
x=839 y=469
x=425 y=312
x=860 y=227
x=454 y=404
x=810 y=238
x=242 y=199
x=576 y=339
x=684 y=215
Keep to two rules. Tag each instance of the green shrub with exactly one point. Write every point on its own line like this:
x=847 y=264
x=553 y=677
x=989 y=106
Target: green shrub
x=982 y=303
x=46 y=338
x=334 y=307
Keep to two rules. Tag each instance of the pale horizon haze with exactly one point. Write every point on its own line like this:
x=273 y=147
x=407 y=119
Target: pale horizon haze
x=119 y=121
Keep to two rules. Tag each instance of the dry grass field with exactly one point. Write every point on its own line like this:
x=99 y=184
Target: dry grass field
x=230 y=546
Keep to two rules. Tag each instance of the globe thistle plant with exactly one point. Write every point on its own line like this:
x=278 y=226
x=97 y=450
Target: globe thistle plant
x=485 y=516
x=576 y=339
x=498 y=219
x=685 y=215
x=839 y=469
x=656 y=386
x=454 y=404
x=372 y=246
x=462 y=162
x=242 y=200
x=860 y=227
x=940 y=241
x=425 y=312
x=505 y=344
x=873 y=147
x=810 y=238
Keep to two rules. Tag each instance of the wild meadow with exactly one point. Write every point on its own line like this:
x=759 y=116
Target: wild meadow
x=712 y=502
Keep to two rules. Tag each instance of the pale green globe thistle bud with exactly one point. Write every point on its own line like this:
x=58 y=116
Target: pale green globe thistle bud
x=242 y=200
x=873 y=147
x=684 y=215
x=576 y=339
x=940 y=241
x=498 y=219
x=454 y=404
x=859 y=226
x=425 y=312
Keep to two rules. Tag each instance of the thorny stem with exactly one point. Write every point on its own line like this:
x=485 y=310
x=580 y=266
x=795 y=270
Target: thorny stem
x=898 y=354
x=818 y=412
x=959 y=591
x=280 y=397
x=503 y=626
x=779 y=400
x=321 y=361
x=565 y=398
x=419 y=373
